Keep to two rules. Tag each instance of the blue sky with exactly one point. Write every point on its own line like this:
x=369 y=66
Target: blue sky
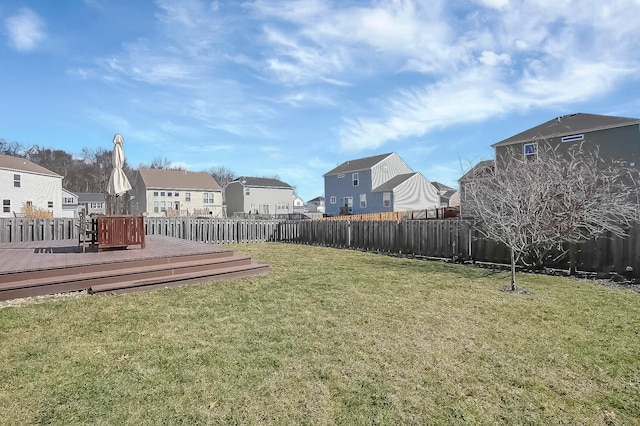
x=294 y=88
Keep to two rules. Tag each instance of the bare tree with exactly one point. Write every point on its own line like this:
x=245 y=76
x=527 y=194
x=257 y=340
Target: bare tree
x=534 y=206
x=14 y=149
x=161 y=164
x=222 y=175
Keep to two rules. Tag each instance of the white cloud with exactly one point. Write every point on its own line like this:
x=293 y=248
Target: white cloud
x=496 y=4
x=529 y=55
x=25 y=30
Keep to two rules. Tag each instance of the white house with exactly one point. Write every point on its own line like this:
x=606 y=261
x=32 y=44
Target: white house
x=158 y=192
x=69 y=204
x=24 y=183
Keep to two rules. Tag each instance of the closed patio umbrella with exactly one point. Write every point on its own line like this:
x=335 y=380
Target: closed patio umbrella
x=118 y=183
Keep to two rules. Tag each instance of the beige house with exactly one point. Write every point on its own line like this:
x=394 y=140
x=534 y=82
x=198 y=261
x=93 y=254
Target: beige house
x=24 y=184
x=157 y=192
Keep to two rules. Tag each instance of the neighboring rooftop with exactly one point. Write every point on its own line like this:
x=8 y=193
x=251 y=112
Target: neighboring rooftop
x=394 y=181
x=178 y=179
x=90 y=197
x=442 y=187
x=484 y=167
x=567 y=125
x=9 y=162
x=358 y=164
x=262 y=182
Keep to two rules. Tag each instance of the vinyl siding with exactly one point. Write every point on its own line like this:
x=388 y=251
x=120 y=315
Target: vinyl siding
x=391 y=166
x=37 y=188
x=414 y=194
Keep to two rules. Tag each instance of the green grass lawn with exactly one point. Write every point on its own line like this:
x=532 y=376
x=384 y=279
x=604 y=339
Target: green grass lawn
x=328 y=337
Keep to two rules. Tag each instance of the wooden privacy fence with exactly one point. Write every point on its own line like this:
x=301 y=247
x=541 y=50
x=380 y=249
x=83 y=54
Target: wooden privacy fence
x=449 y=238
x=212 y=230
x=429 y=238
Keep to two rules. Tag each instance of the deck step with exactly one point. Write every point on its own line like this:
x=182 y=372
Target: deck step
x=128 y=276
x=149 y=268
x=181 y=279
x=65 y=273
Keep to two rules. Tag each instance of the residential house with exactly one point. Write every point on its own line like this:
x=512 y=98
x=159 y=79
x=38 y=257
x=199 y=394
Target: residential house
x=159 y=192
x=449 y=197
x=69 y=204
x=26 y=184
x=616 y=138
x=482 y=169
x=381 y=183
x=91 y=203
x=255 y=195
x=316 y=205
x=298 y=204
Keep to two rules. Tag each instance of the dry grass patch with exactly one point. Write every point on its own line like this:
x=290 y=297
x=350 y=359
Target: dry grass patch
x=329 y=336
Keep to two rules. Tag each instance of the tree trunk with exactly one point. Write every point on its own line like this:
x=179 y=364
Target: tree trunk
x=573 y=258
x=513 y=271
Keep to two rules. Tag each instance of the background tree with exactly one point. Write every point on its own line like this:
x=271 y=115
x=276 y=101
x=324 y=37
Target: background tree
x=222 y=175
x=160 y=163
x=533 y=207
x=14 y=149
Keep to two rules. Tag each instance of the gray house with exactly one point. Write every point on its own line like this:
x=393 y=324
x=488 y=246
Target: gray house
x=91 y=203
x=255 y=195
x=381 y=183
x=617 y=138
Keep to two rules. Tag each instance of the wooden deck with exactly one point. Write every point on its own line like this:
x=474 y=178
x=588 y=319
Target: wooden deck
x=49 y=267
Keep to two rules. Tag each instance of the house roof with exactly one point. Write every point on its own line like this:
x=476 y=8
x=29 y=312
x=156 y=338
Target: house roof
x=483 y=167
x=73 y=194
x=569 y=125
x=441 y=186
x=262 y=182
x=316 y=199
x=9 y=162
x=178 y=179
x=358 y=164
x=394 y=181
x=90 y=197
x=448 y=194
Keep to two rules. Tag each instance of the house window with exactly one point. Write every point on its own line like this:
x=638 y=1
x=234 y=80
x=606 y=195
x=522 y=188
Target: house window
x=16 y=181
x=341 y=175
x=247 y=190
x=6 y=206
x=208 y=197
x=155 y=193
x=156 y=207
x=187 y=196
x=386 y=199
x=50 y=204
x=531 y=151
x=162 y=193
x=332 y=200
x=176 y=194
x=163 y=206
x=67 y=200
x=355 y=177
x=169 y=194
x=363 y=201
